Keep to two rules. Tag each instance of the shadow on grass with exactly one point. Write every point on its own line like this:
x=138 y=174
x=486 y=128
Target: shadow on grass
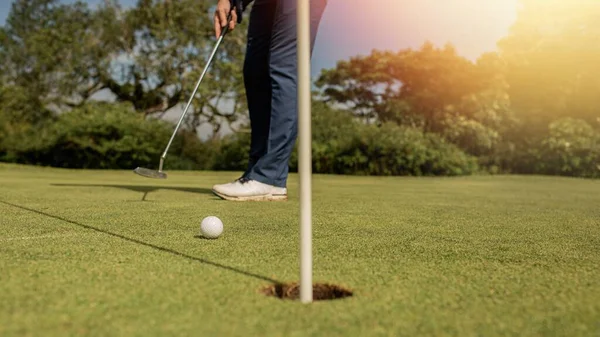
x=143 y=188
x=136 y=241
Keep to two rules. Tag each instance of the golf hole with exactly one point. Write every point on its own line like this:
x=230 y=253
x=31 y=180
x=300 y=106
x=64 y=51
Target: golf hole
x=321 y=291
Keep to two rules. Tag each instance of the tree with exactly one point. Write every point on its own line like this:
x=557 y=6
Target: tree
x=150 y=56
x=552 y=55
x=364 y=84
x=169 y=43
x=415 y=85
x=19 y=114
x=50 y=49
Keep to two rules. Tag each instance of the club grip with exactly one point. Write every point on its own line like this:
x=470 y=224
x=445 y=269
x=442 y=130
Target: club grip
x=240 y=6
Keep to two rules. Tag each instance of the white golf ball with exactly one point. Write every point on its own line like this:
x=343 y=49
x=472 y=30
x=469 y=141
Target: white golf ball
x=211 y=227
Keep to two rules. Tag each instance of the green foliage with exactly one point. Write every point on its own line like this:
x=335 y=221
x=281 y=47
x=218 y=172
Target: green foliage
x=361 y=83
x=98 y=136
x=150 y=55
x=54 y=50
x=407 y=86
x=470 y=135
x=332 y=132
x=396 y=150
x=552 y=61
x=532 y=107
x=571 y=148
x=20 y=113
x=231 y=154
x=189 y=153
x=342 y=145
x=114 y=136
x=175 y=39
x=21 y=106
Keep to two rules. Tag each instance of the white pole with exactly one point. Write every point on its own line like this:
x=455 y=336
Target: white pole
x=304 y=147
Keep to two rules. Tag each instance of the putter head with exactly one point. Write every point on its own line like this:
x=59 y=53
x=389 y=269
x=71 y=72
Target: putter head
x=144 y=172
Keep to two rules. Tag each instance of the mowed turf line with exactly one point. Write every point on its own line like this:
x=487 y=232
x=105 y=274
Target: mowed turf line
x=82 y=254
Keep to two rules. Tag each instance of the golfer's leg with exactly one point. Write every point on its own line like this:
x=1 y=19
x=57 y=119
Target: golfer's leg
x=272 y=168
x=257 y=80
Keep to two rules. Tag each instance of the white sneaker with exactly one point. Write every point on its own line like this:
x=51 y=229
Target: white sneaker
x=245 y=189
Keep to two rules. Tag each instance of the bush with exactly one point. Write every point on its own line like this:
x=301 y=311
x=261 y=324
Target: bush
x=332 y=132
x=395 y=150
x=572 y=148
x=470 y=135
x=568 y=147
x=111 y=136
x=197 y=154
x=20 y=113
x=232 y=153
x=99 y=136
x=342 y=145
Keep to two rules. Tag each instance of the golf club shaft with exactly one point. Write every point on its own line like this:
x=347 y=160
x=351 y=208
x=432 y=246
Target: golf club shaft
x=210 y=59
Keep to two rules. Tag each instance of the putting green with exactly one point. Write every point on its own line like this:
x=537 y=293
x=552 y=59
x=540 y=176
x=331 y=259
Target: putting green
x=101 y=253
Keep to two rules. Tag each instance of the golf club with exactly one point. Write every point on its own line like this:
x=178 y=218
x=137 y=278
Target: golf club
x=148 y=173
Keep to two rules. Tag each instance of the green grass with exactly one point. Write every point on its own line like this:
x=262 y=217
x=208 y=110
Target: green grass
x=82 y=254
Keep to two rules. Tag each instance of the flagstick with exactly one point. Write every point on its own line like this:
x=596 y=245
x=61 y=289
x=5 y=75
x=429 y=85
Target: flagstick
x=304 y=159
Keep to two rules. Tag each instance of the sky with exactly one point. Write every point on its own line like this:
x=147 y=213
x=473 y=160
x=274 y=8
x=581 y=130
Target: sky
x=356 y=27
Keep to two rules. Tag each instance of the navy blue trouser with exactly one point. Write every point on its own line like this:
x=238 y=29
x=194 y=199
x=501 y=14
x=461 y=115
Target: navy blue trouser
x=270 y=78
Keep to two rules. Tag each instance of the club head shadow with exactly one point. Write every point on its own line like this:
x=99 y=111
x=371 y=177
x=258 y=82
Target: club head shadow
x=144 y=172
